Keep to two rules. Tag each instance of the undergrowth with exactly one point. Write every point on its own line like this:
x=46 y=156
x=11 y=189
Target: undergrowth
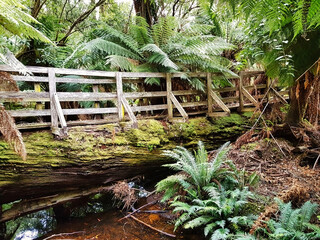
x=208 y=193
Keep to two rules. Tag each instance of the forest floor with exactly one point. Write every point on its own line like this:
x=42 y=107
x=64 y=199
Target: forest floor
x=284 y=169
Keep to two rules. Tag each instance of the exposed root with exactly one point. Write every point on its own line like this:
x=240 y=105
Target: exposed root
x=124 y=193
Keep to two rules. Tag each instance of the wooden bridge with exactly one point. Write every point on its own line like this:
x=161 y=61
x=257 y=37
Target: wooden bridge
x=111 y=99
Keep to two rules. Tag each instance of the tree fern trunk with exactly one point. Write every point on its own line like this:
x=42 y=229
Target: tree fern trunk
x=300 y=95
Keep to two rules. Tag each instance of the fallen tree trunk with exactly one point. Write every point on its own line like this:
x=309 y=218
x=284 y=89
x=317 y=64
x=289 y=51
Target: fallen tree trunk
x=93 y=157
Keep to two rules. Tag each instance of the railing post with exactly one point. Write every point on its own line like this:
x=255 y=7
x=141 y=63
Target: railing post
x=267 y=88
x=119 y=95
x=39 y=106
x=241 y=103
x=37 y=88
x=95 y=89
x=209 y=88
x=169 y=91
x=52 y=91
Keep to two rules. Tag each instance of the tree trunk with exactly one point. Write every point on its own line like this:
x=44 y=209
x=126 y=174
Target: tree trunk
x=147 y=10
x=300 y=94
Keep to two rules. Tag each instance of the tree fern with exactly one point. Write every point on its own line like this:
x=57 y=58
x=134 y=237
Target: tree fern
x=163 y=30
x=125 y=40
x=110 y=48
x=14 y=20
x=119 y=63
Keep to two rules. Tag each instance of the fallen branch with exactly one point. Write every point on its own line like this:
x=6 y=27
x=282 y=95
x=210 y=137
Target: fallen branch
x=137 y=210
x=316 y=162
x=63 y=234
x=153 y=228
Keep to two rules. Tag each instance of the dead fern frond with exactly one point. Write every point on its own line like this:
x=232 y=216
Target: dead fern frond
x=7 y=83
x=11 y=133
x=8 y=127
x=244 y=139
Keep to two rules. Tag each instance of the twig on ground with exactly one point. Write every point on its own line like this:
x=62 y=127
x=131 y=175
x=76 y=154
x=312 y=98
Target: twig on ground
x=63 y=234
x=265 y=124
x=137 y=210
x=316 y=162
x=153 y=228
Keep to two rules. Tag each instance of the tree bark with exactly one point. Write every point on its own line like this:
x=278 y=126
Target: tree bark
x=147 y=10
x=300 y=93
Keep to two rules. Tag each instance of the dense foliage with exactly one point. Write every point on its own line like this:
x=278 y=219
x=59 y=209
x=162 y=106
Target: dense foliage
x=293 y=223
x=208 y=193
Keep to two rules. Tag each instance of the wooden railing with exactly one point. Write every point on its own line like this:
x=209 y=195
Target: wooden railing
x=214 y=102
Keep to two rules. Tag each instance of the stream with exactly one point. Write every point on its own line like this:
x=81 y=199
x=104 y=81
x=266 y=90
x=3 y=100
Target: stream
x=95 y=217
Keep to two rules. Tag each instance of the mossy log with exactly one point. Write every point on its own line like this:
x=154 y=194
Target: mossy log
x=97 y=156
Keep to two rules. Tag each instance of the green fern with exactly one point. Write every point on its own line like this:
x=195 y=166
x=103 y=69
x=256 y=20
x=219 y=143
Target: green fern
x=293 y=223
x=203 y=195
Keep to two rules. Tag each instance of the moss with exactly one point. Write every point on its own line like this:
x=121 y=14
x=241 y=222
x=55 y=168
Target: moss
x=193 y=128
x=250 y=146
x=112 y=143
x=233 y=119
x=150 y=134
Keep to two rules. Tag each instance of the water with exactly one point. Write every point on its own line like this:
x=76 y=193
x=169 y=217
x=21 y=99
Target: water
x=94 y=218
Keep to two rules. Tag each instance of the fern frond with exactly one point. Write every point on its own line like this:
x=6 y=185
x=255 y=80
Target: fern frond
x=197 y=222
x=110 y=48
x=141 y=35
x=313 y=14
x=15 y=20
x=221 y=234
x=119 y=62
x=152 y=81
x=308 y=209
x=158 y=56
x=110 y=34
x=163 y=30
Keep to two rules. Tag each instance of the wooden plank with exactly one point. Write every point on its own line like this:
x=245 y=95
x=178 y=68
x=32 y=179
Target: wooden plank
x=52 y=91
x=218 y=114
x=135 y=95
x=250 y=97
x=252 y=73
x=282 y=99
x=194 y=104
x=209 y=88
x=95 y=89
x=225 y=89
x=169 y=89
x=119 y=96
x=76 y=111
x=37 y=88
x=20 y=78
x=149 y=108
x=80 y=72
x=24 y=96
x=60 y=114
x=85 y=96
x=241 y=102
x=73 y=80
x=187 y=92
x=178 y=106
x=142 y=75
x=7 y=68
x=230 y=99
x=130 y=112
x=217 y=99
